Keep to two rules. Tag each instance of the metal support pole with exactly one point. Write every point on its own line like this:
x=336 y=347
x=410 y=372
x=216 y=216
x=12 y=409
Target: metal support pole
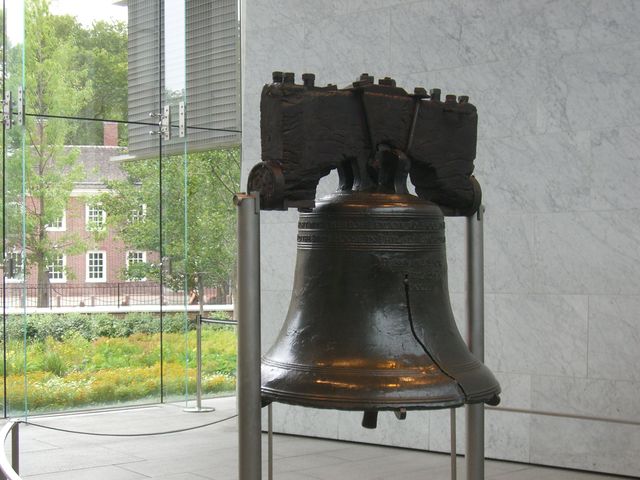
x=15 y=448
x=454 y=453
x=475 y=323
x=199 y=362
x=199 y=408
x=248 y=311
x=270 y=440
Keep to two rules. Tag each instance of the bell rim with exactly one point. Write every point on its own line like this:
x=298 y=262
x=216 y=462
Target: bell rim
x=359 y=404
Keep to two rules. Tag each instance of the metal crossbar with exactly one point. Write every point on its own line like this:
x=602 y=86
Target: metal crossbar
x=218 y=321
x=199 y=321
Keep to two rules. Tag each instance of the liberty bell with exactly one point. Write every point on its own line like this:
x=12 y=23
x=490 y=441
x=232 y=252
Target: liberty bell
x=369 y=326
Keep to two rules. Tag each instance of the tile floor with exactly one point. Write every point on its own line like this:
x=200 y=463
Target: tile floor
x=211 y=452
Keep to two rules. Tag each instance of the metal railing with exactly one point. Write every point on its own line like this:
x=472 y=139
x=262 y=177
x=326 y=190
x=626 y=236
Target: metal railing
x=199 y=321
x=10 y=469
x=123 y=294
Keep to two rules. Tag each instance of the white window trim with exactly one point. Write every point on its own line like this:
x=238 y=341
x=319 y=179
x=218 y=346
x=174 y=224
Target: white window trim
x=89 y=226
x=62 y=228
x=144 y=260
x=64 y=272
x=104 y=267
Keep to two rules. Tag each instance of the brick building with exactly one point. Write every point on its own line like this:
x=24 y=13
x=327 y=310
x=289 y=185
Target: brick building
x=105 y=260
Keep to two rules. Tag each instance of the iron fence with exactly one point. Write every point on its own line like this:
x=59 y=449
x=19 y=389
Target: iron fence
x=123 y=294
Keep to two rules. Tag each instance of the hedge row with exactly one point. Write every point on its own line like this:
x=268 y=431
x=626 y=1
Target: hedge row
x=95 y=325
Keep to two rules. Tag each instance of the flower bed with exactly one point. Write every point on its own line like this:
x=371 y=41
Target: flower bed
x=77 y=369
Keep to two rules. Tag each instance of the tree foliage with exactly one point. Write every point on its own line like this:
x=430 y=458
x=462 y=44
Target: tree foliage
x=64 y=69
x=41 y=171
x=197 y=218
x=74 y=71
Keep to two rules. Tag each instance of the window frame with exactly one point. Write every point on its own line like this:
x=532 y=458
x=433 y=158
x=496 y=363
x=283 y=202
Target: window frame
x=128 y=263
x=88 y=265
x=63 y=272
x=63 y=224
x=92 y=225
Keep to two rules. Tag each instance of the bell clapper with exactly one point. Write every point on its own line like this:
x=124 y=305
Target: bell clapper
x=401 y=413
x=370 y=419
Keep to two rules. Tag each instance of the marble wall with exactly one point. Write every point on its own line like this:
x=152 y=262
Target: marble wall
x=559 y=160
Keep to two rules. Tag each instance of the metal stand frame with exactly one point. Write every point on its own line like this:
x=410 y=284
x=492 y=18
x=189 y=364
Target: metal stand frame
x=270 y=442
x=474 y=455
x=454 y=454
x=248 y=314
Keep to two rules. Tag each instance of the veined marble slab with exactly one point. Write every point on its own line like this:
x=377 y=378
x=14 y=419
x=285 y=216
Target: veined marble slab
x=537 y=334
x=614 y=337
x=595 y=253
x=615 y=399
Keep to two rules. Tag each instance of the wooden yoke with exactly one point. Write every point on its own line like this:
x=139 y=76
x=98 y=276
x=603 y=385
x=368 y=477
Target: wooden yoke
x=307 y=131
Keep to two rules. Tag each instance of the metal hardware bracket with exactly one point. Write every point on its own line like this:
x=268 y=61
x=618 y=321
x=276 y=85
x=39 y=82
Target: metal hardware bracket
x=182 y=120
x=8 y=106
x=7 y=111
x=164 y=123
x=20 y=106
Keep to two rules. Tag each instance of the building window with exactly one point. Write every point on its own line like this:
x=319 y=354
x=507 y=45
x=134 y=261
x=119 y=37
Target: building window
x=96 y=267
x=14 y=269
x=59 y=224
x=133 y=258
x=138 y=214
x=95 y=216
x=57 y=271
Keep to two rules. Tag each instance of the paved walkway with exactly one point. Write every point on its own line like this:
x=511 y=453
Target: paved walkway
x=211 y=452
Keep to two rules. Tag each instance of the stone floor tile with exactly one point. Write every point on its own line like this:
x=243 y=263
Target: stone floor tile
x=543 y=473
x=97 y=473
x=212 y=452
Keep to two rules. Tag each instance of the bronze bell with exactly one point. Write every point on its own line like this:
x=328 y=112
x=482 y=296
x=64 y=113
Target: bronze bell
x=370 y=325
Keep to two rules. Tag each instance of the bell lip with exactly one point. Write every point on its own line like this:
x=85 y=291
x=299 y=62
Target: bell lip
x=267 y=399
x=331 y=403
x=489 y=396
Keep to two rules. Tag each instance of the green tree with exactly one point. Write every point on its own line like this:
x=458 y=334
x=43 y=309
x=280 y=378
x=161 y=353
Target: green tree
x=54 y=84
x=198 y=236
x=69 y=71
x=103 y=53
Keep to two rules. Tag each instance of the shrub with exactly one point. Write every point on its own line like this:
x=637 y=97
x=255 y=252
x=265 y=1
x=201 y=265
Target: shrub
x=54 y=363
x=76 y=371
x=95 y=325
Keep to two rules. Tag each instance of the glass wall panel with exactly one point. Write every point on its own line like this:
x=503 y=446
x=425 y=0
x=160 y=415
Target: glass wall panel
x=84 y=304
x=88 y=295
x=14 y=225
x=175 y=247
x=199 y=229
x=82 y=49
x=96 y=60
x=116 y=235
x=213 y=179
